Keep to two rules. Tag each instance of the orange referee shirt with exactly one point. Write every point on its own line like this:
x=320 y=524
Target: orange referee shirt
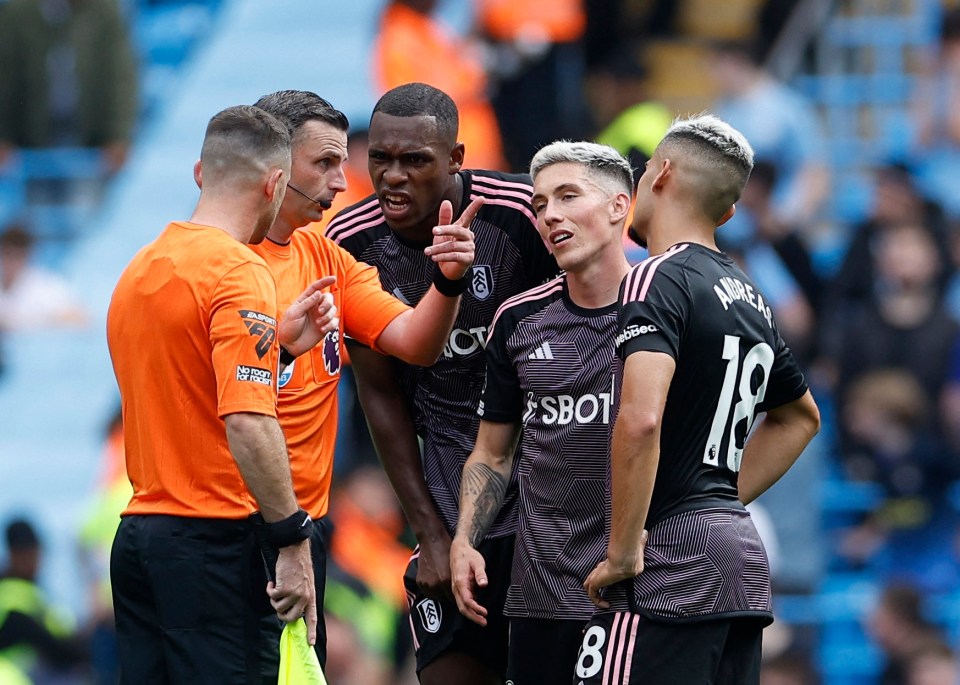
x=307 y=405
x=192 y=335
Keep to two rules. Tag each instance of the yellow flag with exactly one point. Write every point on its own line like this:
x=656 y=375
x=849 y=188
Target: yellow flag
x=298 y=660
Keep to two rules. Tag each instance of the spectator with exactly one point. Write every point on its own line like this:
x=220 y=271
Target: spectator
x=412 y=46
x=95 y=541
x=904 y=324
x=536 y=60
x=68 y=76
x=781 y=125
x=900 y=629
x=936 y=116
x=32 y=297
x=628 y=119
x=367 y=561
x=950 y=401
x=896 y=199
x=935 y=665
x=34 y=635
x=886 y=438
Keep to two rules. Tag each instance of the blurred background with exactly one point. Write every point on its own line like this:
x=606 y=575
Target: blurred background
x=850 y=225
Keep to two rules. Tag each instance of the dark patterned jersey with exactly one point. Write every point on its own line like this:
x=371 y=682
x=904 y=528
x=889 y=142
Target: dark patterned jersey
x=699 y=307
x=510 y=257
x=549 y=368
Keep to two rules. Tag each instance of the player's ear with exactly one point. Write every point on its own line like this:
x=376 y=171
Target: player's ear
x=198 y=174
x=456 y=157
x=619 y=207
x=275 y=183
x=663 y=175
x=727 y=215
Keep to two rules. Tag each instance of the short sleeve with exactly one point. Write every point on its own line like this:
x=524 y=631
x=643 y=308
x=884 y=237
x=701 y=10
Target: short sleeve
x=786 y=379
x=654 y=308
x=502 y=399
x=243 y=335
x=367 y=308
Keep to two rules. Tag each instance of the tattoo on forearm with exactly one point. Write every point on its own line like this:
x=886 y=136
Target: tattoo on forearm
x=488 y=487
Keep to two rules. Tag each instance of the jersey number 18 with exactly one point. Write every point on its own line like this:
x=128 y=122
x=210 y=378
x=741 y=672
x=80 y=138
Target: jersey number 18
x=737 y=386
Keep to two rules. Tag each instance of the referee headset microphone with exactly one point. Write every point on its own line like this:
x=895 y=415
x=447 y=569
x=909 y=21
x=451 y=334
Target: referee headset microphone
x=325 y=204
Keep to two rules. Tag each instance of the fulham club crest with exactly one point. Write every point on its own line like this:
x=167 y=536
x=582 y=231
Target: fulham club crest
x=481 y=282
x=430 y=615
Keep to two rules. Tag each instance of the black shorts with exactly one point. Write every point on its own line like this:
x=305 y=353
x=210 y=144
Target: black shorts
x=625 y=648
x=187 y=600
x=272 y=626
x=439 y=627
x=542 y=650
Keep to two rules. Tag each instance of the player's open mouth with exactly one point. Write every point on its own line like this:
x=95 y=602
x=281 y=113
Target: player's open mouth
x=560 y=237
x=395 y=203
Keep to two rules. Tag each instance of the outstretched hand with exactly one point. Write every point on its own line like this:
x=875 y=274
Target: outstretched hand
x=453 y=247
x=308 y=320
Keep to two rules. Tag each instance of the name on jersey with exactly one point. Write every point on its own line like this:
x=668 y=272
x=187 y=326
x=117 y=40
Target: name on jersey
x=634 y=331
x=465 y=341
x=562 y=410
x=730 y=290
x=254 y=374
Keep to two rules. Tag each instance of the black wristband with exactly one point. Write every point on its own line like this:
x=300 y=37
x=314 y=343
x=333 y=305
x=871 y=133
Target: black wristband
x=291 y=530
x=450 y=288
x=286 y=359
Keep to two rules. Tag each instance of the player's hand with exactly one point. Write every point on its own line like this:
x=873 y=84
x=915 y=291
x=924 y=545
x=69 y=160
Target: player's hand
x=453 y=247
x=469 y=571
x=308 y=320
x=433 y=567
x=293 y=594
x=613 y=570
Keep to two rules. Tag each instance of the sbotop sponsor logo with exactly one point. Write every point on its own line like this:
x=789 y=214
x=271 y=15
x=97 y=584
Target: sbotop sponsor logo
x=464 y=342
x=564 y=409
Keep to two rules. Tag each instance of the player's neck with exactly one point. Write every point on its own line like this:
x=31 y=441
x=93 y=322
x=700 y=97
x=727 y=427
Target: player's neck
x=233 y=220
x=598 y=283
x=281 y=232
x=681 y=228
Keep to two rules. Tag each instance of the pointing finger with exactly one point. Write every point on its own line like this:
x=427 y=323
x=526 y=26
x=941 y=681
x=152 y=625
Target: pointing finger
x=470 y=212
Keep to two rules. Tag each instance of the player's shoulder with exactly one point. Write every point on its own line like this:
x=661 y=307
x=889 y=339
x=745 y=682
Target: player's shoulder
x=498 y=183
x=320 y=246
x=356 y=222
x=522 y=305
x=506 y=198
x=666 y=266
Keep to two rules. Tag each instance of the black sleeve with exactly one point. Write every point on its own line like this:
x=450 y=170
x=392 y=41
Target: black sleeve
x=653 y=314
x=502 y=399
x=786 y=380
